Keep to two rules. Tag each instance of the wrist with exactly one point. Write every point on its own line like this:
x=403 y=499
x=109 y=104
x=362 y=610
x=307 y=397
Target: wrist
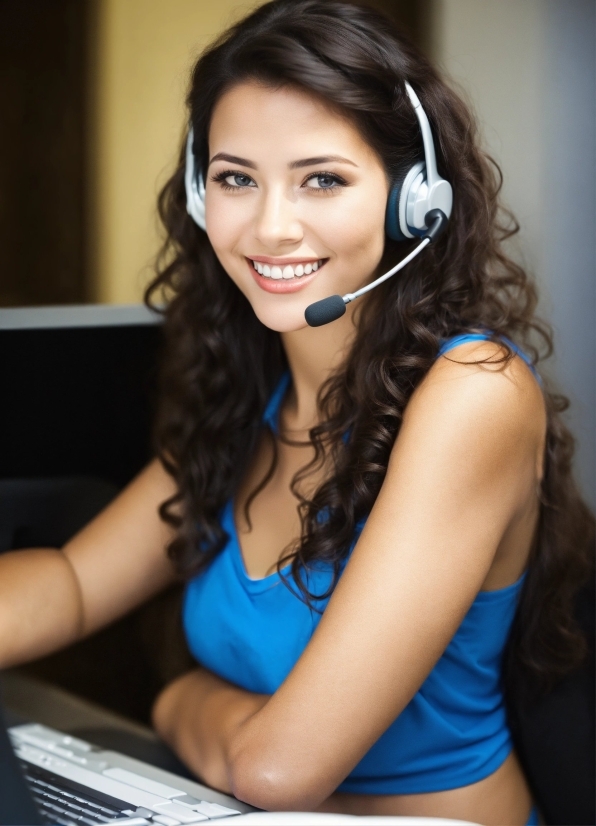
x=164 y=710
x=198 y=716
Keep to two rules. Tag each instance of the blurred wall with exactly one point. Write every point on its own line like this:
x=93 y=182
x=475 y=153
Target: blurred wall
x=529 y=70
x=43 y=97
x=142 y=54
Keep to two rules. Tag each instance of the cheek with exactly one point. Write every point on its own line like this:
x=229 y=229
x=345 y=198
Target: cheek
x=357 y=230
x=224 y=222
x=224 y=229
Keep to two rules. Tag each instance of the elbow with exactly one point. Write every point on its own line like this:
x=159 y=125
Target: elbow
x=266 y=781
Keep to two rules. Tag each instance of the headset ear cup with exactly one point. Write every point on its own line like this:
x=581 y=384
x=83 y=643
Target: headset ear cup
x=392 y=228
x=195 y=187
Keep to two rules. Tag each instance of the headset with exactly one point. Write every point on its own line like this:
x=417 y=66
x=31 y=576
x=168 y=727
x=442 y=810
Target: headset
x=418 y=206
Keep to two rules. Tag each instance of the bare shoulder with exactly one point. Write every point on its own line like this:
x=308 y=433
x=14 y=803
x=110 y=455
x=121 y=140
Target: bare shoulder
x=468 y=461
x=474 y=426
x=472 y=388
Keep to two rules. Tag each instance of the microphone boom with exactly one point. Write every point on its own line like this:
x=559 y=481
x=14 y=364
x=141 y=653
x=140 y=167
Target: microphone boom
x=332 y=308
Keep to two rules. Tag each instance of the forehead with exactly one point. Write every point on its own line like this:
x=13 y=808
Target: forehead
x=260 y=123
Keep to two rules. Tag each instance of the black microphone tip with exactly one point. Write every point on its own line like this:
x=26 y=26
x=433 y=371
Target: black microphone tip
x=325 y=310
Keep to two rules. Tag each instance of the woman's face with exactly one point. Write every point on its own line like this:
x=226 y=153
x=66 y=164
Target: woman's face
x=295 y=201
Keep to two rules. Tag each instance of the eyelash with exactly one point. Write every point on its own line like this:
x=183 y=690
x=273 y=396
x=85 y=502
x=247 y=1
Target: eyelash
x=220 y=178
x=339 y=182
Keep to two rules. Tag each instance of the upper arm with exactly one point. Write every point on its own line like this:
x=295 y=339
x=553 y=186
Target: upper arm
x=463 y=464
x=119 y=559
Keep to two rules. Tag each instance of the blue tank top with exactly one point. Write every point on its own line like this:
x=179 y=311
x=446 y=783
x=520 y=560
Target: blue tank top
x=252 y=632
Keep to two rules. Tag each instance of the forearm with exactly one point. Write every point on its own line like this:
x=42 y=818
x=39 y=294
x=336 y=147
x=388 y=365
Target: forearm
x=198 y=715
x=40 y=605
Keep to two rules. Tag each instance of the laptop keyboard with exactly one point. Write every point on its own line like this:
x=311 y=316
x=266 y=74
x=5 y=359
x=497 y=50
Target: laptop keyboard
x=61 y=801
x=72 y=784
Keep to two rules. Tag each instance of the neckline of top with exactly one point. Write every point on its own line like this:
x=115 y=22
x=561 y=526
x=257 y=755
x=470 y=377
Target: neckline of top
x=260 y=584
x=253 y=584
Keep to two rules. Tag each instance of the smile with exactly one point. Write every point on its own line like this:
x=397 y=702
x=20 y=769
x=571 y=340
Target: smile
x=287 y=271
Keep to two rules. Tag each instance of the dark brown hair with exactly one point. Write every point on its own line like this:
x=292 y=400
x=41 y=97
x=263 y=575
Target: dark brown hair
x=221 y=363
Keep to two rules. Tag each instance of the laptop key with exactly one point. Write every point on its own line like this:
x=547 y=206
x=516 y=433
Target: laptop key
x=72 y=789
x=95 y=806
x=213 y=810
x=180 y=813
x=66 y=810
x=97 y=817
x=53 y=807
x=74 y=811
x=141 y=812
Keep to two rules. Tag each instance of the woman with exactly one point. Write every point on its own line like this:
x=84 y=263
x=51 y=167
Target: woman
x=360 y=508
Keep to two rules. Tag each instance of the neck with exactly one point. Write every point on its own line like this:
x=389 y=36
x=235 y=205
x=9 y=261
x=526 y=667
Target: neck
x=314 y=353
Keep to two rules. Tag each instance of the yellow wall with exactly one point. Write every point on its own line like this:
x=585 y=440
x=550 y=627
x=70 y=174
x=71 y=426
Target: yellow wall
x=143 y=51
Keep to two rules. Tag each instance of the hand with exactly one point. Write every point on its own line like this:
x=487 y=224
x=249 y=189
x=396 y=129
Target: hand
x=198 y=715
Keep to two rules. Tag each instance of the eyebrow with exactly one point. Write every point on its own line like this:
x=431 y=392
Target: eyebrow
x=223 y=156
x=320 y=159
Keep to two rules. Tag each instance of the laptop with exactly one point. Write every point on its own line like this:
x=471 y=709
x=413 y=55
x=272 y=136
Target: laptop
x=49 y=777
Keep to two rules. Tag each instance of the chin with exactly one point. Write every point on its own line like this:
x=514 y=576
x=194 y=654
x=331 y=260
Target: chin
x=281 y=319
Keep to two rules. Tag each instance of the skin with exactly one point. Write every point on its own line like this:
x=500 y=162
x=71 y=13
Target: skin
x=456 y=513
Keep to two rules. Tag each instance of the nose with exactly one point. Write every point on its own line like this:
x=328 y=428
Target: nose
x=277 y=221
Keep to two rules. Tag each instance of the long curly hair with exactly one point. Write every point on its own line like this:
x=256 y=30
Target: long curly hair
x=221 y=363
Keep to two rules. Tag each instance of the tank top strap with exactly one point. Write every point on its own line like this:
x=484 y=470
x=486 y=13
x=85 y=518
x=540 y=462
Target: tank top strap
x=450 y=343
x=271 y=412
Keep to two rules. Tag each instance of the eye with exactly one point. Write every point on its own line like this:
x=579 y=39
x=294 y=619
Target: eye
x=324 y=180
x=229 y=179
x=238 y=179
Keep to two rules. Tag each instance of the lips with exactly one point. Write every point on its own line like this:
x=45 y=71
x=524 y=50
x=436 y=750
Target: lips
x=286 y=278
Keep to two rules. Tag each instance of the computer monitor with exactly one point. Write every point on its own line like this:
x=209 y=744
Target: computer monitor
x=78 y=391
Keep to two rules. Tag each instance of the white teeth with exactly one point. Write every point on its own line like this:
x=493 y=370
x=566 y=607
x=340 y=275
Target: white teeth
x=289 y=271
